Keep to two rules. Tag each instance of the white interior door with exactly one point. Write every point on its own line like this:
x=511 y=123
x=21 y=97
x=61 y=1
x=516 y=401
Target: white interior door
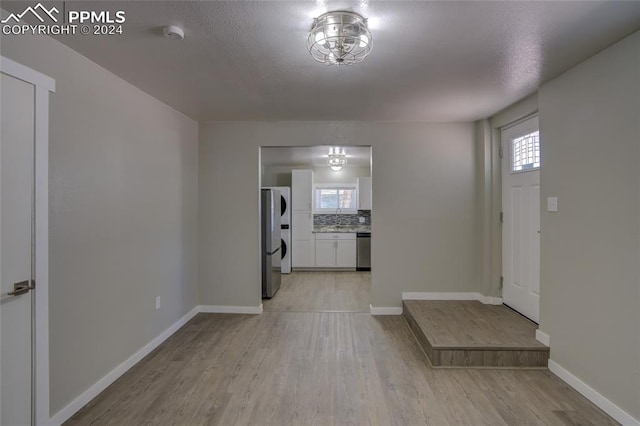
x=16 y=249
x=521 y=217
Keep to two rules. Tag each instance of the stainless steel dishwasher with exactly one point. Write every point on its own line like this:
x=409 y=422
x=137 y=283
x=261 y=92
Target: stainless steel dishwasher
x=363 y=251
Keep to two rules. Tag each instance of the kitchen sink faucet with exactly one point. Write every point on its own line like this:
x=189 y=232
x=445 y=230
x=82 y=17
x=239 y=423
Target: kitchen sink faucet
x=337 y=220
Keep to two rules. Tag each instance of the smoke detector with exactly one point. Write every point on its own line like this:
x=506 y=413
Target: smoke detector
x=173 y=32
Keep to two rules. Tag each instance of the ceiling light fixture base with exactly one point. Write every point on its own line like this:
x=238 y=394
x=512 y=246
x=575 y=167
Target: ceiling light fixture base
x=339 y=38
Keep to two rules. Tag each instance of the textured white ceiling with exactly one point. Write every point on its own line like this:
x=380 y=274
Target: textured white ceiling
x=431 y=61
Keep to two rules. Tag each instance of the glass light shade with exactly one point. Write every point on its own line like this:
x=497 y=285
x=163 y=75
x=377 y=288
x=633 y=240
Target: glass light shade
x=339 y=38
x=337 y=158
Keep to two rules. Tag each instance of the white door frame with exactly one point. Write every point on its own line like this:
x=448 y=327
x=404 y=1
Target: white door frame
x=43 y=85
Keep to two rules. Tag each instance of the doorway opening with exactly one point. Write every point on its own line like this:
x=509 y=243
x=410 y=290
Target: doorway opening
x=326 y=222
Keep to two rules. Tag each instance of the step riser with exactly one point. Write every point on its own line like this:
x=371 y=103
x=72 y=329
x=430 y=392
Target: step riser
x=489 y=358
x=420 y=337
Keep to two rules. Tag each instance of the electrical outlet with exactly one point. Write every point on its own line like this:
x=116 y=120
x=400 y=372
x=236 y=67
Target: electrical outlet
x=361 y=219
x=552 y=204
x=157 y=303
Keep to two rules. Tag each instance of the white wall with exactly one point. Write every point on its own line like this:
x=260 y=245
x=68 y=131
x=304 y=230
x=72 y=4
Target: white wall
x=486 y=215
x=278 y=175
x=424 y=231
x=123 y=214
x=346 y=175
x=281 y=175
x=590 y=248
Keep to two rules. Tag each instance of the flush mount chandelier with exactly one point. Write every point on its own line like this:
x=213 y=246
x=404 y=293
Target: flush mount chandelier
x=337 y=158
x=339 y=38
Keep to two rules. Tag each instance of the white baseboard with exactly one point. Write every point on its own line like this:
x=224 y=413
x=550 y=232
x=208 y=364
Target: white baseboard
x=439 y=296
x=64 y=414
x=543 y=338
x=221 y=309
x=592 y=395
x=389 y=310
x=487 y=300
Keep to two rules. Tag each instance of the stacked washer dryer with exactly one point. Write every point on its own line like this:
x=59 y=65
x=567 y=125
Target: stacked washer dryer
x=285 y=224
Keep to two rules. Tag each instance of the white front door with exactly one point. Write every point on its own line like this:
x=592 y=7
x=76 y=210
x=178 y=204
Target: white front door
x=16 y=249
x=521 y=217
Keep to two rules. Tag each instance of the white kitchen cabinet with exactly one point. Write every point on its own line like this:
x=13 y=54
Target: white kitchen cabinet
x=346 y=254
x=303 y=229
x=325 y=253
x=302 y=254
x=336 y=250
x=302 y=250
x=301 y=190
x=364 y=193
x=302 y=241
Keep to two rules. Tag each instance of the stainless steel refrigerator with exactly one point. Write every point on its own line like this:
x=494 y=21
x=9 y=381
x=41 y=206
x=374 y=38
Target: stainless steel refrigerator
x=271 y=241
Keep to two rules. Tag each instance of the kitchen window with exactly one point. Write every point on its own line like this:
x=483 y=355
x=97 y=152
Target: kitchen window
x=329 y=198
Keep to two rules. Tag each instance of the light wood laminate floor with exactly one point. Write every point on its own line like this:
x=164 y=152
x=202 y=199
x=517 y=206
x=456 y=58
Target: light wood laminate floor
x=322 y=292
x=321 y=368
x=287 y=368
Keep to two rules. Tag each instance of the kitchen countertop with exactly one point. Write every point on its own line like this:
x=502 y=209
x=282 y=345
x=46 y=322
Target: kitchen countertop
x=341 y=228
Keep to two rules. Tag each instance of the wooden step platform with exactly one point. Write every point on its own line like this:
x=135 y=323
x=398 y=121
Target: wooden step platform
x=465 y=333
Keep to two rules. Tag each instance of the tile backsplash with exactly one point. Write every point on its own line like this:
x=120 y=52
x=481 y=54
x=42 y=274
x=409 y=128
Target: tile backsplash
x=342 y=219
